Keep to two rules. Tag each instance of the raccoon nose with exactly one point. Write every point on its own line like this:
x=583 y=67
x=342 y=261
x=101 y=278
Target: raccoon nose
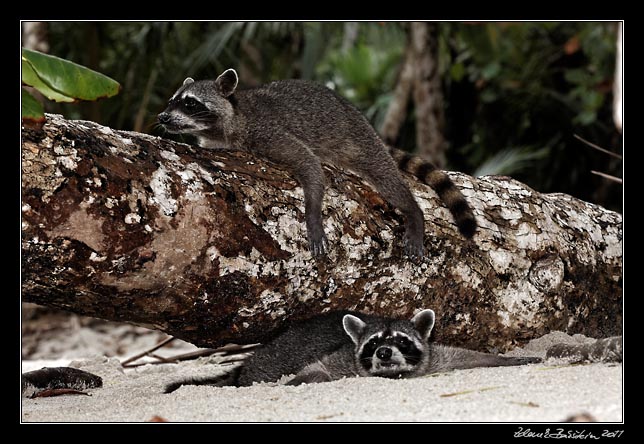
x=163 y=117
x=384 y=353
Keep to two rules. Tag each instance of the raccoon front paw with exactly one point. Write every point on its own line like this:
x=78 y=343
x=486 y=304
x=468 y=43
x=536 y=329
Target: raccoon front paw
x=313 y=377
x=413 y=247
x=318 y=243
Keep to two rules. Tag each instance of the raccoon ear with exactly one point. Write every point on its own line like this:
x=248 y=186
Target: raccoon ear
x=227 y=82
x=424 y=322
x=188 y=81
x=354 y=327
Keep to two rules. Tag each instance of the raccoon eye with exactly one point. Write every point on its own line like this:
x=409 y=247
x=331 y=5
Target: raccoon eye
x=190 y=104
x=402 y=344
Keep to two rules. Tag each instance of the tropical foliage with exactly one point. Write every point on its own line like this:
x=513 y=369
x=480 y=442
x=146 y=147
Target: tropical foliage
x=515 y=93
x=59 y=80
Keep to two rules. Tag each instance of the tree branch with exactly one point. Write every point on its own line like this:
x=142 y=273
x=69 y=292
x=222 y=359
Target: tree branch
x=210 y=246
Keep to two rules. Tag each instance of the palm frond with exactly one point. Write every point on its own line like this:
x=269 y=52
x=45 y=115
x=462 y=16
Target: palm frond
x=511 y=161
x=213 y=46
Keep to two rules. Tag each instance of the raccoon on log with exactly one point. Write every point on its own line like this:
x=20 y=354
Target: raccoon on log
x=300 y=125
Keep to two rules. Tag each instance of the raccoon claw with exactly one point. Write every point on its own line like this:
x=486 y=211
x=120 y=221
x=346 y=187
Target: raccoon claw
x=528 y=360
x=414 y=250
x=319 y=245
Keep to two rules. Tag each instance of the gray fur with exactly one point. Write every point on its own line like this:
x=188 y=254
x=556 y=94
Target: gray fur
x=354 y=327
x=339 y=344
x=300 y=125
x=424 y=322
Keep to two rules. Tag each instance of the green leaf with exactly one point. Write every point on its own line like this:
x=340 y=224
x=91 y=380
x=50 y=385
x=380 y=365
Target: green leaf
x=457 y=71
x=592 y=100
x=585 y=118
x=491 y=70
x=32 y=109
x=31 y=78
x=65 y=81
x=576 y=76
x=488 y=95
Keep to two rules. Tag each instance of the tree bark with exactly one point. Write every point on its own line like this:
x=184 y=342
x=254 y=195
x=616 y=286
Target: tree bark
x=397 y=110
x=419 y=79
x=210 y=246
x=617 y=84
x=35 y=36
x=428 y=94
x=349 y=36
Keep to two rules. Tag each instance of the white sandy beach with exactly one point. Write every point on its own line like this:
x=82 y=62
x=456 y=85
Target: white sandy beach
x=547 y=392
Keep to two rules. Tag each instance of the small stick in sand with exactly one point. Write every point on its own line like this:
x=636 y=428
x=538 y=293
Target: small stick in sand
x=147 y=352
x=226 y=350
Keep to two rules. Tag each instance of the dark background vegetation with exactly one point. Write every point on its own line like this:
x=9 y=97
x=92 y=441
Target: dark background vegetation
x=514 y=93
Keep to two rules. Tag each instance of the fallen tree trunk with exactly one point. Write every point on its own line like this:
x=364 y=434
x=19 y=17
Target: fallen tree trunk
x=211 y=246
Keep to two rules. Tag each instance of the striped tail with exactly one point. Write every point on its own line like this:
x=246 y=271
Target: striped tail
x=443 y=185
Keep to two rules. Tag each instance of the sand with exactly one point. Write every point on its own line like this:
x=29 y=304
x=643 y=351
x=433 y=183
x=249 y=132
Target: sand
x=547 y=392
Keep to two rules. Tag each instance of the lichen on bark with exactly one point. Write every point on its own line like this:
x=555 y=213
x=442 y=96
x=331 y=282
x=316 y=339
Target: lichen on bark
x=210 y=246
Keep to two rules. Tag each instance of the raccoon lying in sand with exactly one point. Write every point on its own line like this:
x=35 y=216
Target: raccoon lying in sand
x=347 y=344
